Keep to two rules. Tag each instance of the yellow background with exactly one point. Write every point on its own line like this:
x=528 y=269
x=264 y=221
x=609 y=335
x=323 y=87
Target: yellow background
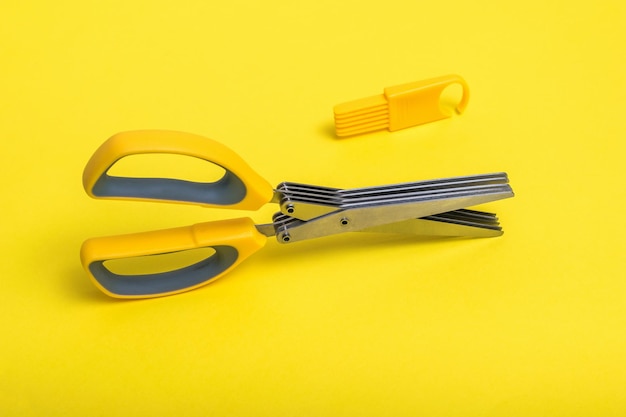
x=532 y=323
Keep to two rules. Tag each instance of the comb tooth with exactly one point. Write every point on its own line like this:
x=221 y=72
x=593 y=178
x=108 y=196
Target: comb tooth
x=360 y=105
x=362 y=129
x=361 y=116
x=363 y=120
x=356 y=115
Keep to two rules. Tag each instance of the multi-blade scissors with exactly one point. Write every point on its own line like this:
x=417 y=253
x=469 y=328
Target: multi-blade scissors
x=434 y=207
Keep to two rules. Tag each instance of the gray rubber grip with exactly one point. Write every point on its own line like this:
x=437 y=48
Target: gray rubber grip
x=226 y=191
x=165 y=282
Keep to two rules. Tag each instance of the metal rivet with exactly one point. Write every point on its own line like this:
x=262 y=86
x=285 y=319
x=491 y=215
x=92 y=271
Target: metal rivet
x=290 y=208
x=345 y=221
x=285 y=237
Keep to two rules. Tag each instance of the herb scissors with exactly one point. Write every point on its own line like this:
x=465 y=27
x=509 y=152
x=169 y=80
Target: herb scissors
x=433 y=207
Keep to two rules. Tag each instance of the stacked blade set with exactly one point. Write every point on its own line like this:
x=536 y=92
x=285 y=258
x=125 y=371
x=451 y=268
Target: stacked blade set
x=434 y=208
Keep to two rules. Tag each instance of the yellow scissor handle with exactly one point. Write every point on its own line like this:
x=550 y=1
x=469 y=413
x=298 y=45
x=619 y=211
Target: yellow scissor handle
x=230 y=242
x=239 y=188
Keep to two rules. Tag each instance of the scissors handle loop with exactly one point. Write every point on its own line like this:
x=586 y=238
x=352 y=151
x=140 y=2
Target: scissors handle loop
x=239 y=188
x=231 y=241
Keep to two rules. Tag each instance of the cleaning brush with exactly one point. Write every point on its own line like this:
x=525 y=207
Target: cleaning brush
x=398 y=107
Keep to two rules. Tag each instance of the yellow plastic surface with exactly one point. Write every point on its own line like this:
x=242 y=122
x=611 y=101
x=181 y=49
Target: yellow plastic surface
x=258 y=190
x=528 y=324
x=417 y=103
x=399 y=107
x=239 y=233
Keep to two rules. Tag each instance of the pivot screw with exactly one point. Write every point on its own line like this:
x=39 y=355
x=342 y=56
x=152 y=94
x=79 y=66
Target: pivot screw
x=344 y=221
x=290 y=208
x=285 y=237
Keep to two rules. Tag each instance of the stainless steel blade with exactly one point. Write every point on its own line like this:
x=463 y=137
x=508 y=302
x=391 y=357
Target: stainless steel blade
x=361 y=217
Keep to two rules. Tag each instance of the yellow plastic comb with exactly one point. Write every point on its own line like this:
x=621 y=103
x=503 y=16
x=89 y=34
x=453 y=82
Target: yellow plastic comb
x=399 y=107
